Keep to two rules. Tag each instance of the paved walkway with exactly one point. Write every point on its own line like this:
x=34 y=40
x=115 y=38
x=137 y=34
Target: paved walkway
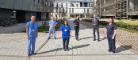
x=12 y=47
x=16 y=28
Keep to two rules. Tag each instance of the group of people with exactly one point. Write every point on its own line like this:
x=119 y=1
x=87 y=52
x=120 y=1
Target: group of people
x=32 y=32
x=110 y=30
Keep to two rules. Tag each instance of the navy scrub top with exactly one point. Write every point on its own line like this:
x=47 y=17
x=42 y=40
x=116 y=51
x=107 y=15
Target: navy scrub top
x=110 y=29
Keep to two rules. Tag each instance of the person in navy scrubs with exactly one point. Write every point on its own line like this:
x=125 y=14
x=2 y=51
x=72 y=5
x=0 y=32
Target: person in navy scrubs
x=65 y=29
x=77 y=27
x=32 y=33
x=111 y=33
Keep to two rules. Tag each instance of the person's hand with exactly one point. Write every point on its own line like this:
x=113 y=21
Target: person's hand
x=36 y=35
x=104 y=37
x=27 y=37
x=113 y=37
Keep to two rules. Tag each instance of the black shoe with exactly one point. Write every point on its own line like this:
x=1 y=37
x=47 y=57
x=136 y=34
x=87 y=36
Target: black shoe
x=67 y=49
x=109 y=51
x=29 y=55
x=94 y=39
x=113 y=51
x=48 y=38
x=99 y=40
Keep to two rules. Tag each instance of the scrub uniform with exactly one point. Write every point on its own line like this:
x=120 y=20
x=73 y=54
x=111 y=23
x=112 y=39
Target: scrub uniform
x=95 y=23
x=111 y=42
x=76 y=27
x=32 y=32
x=52 y=25
x=65 y=36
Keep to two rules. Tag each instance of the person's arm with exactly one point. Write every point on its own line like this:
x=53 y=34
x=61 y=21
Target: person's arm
x=60 y=32
x=105 y=32
x=74 y=21
x=27 y=35
x=114 y=34
x=37 y=31
x=115 y=31
x=98 y=21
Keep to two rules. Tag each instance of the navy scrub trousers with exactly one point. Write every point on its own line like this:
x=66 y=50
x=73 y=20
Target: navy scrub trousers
x=65 y=43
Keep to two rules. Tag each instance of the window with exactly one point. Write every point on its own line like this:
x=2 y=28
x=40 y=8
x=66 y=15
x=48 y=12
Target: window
x=72 y=10
x=87 y=10
x=81 y=4
x=72 y=5
x=85 y=4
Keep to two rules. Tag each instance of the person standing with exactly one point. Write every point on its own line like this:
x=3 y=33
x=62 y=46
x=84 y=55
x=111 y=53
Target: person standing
x=32 y=33
x=52 y=30
x=111 y=33
x=66 y=29
x=76 y=27
x=95 y=22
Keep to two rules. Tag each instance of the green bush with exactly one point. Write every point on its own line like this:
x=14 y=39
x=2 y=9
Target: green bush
x=123 y=25
x=45 y=28
x=103 y=23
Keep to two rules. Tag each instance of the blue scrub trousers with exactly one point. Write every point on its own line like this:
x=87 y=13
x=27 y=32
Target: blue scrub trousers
x=31 y=45
x=52 y=31
x=65 y=42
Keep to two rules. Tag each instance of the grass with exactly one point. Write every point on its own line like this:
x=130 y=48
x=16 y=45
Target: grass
x=130 y=22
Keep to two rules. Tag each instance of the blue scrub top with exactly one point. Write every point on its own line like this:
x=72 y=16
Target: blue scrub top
x=65 y=30
x=110 y=29
x=52 y=23
x=32 y=28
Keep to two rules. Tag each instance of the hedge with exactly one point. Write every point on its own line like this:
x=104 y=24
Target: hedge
x=121 y=24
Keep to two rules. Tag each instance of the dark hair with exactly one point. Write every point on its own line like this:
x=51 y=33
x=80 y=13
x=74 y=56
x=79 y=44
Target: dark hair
x=66 y=21
x=112 y=19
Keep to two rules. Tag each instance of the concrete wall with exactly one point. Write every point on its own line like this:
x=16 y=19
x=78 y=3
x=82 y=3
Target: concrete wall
x=29 y=5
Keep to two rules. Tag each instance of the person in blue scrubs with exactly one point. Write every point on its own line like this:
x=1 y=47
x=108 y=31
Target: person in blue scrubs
x=32 y=33
x=66 y=29
x=111 y=33
x=52 y=30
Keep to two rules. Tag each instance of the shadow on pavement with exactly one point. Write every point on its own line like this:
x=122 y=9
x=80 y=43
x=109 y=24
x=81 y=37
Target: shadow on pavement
x=86 y=38
x=58 y=49
x=123 y=48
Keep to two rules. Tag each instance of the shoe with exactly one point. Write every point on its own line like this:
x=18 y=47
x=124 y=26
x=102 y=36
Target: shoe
x=67 y=49
x=113 y=51
x=77 y=39
x=109 y=50
x=48 y=38
x=29 y=55
x=98 y=40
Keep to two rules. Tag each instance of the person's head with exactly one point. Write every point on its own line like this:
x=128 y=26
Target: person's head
x=65 y=22
x=77 y=17
x=51 y=18
x=94 y=15
x=111 y=20
x=33 y=18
